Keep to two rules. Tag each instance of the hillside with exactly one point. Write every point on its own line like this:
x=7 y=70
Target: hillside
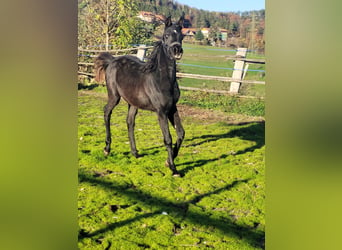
x=244 y=28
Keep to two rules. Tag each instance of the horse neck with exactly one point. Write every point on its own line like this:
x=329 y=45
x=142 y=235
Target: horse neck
x=166 y=64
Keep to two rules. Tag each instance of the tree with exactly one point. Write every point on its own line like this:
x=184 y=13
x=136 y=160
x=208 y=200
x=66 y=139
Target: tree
x=107 y=22
x=214 y=33
x=234 y=27
x=199 y=35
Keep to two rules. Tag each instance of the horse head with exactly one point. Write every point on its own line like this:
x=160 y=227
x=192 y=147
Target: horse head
x=172 y=37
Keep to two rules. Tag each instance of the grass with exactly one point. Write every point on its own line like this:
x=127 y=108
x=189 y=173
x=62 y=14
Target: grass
x=129 y=203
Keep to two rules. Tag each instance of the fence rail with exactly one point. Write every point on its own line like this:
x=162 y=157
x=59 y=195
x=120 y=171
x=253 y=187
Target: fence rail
x=112 y=51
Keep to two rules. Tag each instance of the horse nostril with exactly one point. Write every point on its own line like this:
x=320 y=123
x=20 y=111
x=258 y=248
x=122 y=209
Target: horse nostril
x=177 y=49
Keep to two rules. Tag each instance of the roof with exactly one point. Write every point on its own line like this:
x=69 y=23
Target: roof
x=149 y=16
x=189 y=31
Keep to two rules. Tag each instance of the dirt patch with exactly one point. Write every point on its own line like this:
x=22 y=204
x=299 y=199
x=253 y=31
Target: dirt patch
x=92 y=93
x=207 y=116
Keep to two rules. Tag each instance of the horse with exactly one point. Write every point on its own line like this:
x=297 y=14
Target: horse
x=150 y=85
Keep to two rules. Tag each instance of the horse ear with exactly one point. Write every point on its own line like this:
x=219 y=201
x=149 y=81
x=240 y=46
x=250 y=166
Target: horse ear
x=168 y=22
x=181 y=20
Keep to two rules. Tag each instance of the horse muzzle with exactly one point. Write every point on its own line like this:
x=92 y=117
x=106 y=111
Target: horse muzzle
x=176 y=50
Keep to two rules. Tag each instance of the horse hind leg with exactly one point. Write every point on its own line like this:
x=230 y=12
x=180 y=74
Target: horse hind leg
x=132 y=112
x=113 y=100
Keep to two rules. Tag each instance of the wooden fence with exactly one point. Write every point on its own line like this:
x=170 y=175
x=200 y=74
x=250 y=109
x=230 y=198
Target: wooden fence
x=239 y=71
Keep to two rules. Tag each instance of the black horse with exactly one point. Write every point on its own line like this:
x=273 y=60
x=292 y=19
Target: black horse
x=149 y=86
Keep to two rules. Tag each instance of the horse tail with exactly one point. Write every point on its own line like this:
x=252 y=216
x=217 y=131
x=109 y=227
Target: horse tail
x=101 y=64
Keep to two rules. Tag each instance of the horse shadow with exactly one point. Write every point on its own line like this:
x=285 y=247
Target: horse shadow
x=254 y=132
x=92 y=86
x=179 y=210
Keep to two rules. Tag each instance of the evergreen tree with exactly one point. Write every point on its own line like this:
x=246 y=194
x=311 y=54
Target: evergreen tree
x=199 y=35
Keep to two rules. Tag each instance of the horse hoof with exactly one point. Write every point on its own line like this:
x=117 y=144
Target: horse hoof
x=173 y=169
x=136 y=155
x=105 y=152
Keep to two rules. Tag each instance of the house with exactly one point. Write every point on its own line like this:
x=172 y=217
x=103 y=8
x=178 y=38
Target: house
x=160 y=18
x=205 y=32
x=223 y=34
x=189 y=31
x=151 y=17
x=146 y=16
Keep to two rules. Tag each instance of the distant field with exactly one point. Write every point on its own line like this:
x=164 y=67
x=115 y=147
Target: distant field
x=217 y=59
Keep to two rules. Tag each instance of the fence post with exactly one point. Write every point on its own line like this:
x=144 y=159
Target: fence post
x=141 y=52
x=238 y=70
x=245 y=70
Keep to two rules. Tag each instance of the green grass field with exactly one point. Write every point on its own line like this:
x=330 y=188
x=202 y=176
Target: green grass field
x=129 y=203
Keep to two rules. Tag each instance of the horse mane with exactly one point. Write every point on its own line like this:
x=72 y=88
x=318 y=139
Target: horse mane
x=152 y=61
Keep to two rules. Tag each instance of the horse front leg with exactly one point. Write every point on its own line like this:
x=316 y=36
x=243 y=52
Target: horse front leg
x=163 y=122
x=132 y=112
x=177 y=124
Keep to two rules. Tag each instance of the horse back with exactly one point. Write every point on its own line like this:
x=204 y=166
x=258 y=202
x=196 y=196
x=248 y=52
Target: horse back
x=152 y=91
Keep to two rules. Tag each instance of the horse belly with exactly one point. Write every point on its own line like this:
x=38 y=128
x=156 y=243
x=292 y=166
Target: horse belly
x=133 y=92
x=140 y=101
